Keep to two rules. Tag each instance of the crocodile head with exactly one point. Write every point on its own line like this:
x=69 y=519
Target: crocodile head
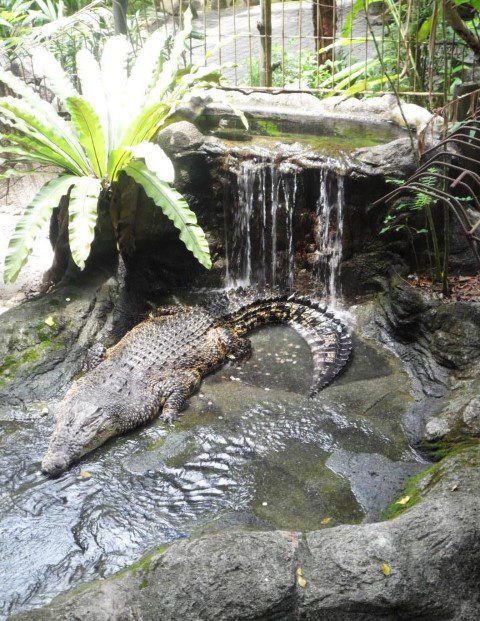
x=81 y=427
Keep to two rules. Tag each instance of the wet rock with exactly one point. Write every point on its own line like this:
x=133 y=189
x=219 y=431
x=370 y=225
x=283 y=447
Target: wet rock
x=373 y=478
x=439 y=345
x=422 y=564
x=459 y=414
x=429 y=550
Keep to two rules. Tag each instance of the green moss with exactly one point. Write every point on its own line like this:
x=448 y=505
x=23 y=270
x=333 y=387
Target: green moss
x=12 y=362
x=142 y=565
x=454 y=443
x=394 y=509
x=269 y=127
x=430 y=476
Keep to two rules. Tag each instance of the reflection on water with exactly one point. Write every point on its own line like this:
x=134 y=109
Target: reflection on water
x=251 y=450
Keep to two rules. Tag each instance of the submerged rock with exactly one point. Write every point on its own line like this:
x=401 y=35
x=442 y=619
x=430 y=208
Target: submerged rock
x=423 y=564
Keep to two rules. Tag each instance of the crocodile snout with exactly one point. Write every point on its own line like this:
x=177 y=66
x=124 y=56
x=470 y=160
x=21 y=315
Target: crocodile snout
x=54 y=464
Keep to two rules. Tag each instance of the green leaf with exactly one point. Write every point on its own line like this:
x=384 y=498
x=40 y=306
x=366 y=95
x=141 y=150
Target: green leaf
x=34 y=218
x=82 y=217
x=43 y=109
x=424 y=30
x=170 y=67
x=114 y=75
x=90 y=133
x=156 y=159
x=55 y=76
x=474 y=3
x=358 y=5
x=145 y=71
x=20 y=115
x=175 y=207
x=93 y=91
x=141 y=129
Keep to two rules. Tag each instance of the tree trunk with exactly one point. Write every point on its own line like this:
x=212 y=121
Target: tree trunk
x=324 y=14
x=120 y=16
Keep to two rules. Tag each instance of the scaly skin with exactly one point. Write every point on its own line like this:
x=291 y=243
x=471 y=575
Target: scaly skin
x=161 y=362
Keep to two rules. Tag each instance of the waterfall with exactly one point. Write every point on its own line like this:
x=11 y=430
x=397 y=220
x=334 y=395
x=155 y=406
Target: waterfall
x=262 y=236
x=290 y=195
x=261 y=201
x=275 y=188
x=329 y=233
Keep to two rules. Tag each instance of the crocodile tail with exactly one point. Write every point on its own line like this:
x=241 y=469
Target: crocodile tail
x=327 y=336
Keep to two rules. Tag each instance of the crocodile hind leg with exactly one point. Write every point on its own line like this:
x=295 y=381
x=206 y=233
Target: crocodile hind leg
x=177 y=390
x=239 y=347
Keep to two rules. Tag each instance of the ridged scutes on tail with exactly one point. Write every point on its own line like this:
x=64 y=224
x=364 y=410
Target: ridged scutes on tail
x=327 y=336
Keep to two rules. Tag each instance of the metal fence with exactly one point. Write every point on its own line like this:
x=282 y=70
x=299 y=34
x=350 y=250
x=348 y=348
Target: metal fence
x=323 y=46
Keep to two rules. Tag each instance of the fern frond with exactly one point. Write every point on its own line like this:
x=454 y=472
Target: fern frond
x=31 y=223
x=92 y=87
x=90 y=133
x=82 y=217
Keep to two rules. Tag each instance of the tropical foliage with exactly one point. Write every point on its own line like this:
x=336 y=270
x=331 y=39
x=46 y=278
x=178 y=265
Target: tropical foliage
x=113 y=118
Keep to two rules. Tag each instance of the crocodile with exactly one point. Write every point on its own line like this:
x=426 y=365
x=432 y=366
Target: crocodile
x=158 y=364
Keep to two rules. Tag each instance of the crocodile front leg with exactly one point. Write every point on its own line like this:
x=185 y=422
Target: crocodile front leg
x=177 y=388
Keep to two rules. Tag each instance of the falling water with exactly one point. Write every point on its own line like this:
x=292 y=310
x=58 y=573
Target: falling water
x=329 y=236
x=260 y=216
x=263 y=206
x=275 y=188
x=239 y=249
x=290 y=194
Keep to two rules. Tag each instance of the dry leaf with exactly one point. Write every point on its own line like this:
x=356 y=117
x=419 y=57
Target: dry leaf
x=403 y=501
x=454 y=487
x=50 y=321
x=301 y=582
x=385 y=569
x=300 y=579
x=326 y=520
x=85 y=474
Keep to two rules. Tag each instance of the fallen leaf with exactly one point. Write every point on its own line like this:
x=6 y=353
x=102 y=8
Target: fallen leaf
x=300 y=579
x=385 y=569
x=454 y=487
x=85 y=474
x=326 y=520
x=301 y=582
x=50 y=321
x=403 y=501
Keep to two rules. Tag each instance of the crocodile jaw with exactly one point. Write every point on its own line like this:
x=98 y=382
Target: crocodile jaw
x=81 y=427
